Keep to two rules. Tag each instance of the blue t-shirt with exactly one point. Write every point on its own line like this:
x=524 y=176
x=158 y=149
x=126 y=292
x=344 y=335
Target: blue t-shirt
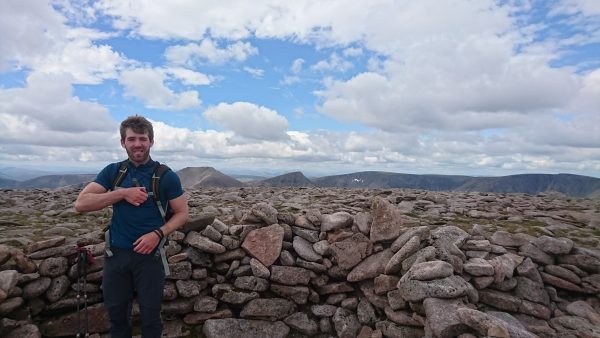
x=128 y=221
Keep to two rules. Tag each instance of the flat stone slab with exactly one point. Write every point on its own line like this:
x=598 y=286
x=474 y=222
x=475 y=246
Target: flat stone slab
x=371 y=267
x=237 y=328
x=442 y=317
x=449 y=287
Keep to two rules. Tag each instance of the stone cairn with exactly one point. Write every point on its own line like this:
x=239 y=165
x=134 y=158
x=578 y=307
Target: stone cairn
x=374 y=269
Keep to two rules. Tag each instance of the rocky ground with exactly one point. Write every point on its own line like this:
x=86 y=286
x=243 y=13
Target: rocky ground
x=323 y=262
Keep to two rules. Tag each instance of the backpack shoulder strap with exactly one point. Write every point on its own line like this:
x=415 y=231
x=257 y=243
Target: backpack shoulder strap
x=120 y=174
x=159 y=171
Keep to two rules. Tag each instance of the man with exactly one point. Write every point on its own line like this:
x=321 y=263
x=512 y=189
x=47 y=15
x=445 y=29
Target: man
x=136 y=229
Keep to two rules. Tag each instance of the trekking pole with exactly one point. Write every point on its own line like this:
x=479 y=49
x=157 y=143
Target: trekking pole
x=78 y=262
x=84 y=257
x=85 y=267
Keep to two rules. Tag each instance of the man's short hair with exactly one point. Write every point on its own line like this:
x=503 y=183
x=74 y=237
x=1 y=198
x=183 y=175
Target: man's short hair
x=138 y=124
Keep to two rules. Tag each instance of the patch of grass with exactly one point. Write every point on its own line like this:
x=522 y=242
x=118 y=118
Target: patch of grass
x=38 y=236
x=533 y=223
x=533 y=231
x=21 y=219
x=587 y=242
x=412 y=214
x=561 y=233
x=510 y=227
x=530 y=227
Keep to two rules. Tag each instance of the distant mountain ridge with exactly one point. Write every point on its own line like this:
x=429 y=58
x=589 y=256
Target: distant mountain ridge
x=199 y=177
x=47 y=181
x=383 y=179
x=20 y=174
x=568 y=184
x=294 y=179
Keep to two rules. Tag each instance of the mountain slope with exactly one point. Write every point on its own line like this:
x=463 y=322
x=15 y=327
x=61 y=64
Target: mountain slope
x=6 y=183
x=294 y=179
x=568 y=184
x=21 y=174
x=198 y=177
x=55 y=181
x=381 y=179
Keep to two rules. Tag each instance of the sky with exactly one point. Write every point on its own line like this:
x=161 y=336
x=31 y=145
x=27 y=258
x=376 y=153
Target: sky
x=453 y=87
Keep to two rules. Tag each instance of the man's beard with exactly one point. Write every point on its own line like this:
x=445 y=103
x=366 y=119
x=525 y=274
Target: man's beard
x=138 y=157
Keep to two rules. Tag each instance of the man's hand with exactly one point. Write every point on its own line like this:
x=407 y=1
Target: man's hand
x=136 y=195
x=146 y=244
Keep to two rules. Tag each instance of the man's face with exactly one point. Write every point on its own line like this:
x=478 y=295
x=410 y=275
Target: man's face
x=137 y=146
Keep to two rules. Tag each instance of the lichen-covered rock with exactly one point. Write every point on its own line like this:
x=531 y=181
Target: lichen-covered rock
x=8 y=280
x=53 y=266
x=420 y=231
x=478 y=267
x=305 y=250
x=449 y=287
x=551 y=245
x=391 y=329
x=371 y=267
x=290 y=275
x=45 y=244
x=428 y=271
x=504 y=238
x=387 y=221
x=297 y=294
x=442 y=317
x=203 y=244
x=268 y=308
x=335 y=221
x=410 y=247
x=265 y=212
x=300 y=322
x=58 y=288
x=36 y=288
x=488 y=325
x=584 y=310
x=346 y=323
x=351 y=251
x=236 y=328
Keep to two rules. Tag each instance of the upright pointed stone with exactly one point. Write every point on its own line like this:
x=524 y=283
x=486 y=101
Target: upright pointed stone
x=265 y=243
x=387 y=221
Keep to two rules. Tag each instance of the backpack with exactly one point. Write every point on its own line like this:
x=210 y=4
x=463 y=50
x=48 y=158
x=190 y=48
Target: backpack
x=157 y=173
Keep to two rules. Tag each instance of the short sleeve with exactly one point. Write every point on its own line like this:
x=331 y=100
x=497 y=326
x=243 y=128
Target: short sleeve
x=171 y=185
x=106 y=176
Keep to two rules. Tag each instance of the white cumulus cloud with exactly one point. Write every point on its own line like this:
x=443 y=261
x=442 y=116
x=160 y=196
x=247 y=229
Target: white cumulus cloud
x=249 y=120
x=46 y=113
x=147 y=84
x=209 y=51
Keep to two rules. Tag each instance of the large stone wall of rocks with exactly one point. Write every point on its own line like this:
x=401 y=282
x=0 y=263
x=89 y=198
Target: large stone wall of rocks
x=384 y=264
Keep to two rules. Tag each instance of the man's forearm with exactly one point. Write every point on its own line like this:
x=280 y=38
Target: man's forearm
x=96 y=201
x=177 y=221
